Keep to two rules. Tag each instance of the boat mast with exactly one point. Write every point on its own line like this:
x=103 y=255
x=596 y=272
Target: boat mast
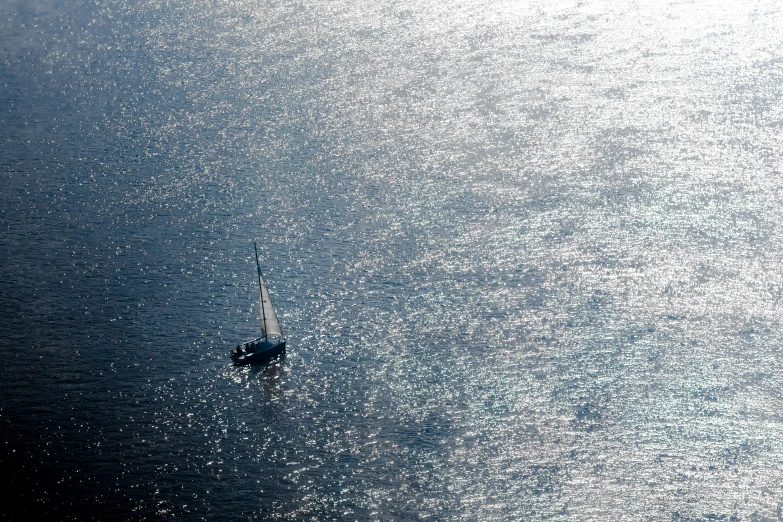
x=260 y=290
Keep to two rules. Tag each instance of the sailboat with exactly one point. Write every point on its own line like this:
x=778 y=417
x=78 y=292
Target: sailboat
x=272 y=341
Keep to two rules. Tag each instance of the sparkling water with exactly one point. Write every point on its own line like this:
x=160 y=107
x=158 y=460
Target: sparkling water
x=527 y=256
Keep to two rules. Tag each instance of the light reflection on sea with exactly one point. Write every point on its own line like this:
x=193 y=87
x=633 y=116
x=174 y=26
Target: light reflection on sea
x=527 y=257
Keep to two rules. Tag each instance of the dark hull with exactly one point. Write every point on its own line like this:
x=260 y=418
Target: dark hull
x=258 y=353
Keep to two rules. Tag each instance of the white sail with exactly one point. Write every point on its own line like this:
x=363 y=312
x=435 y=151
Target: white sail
x=267 y=316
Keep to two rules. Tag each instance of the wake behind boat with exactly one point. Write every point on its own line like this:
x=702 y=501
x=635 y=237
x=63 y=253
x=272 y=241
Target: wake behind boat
x=272 y=341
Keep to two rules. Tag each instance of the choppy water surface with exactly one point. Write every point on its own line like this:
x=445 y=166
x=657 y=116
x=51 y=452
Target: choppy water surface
x=528 y=258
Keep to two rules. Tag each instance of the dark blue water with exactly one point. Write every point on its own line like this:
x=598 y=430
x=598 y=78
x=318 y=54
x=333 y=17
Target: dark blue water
x=527 y=257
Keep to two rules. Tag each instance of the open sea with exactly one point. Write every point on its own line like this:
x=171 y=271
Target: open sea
x=528 y=256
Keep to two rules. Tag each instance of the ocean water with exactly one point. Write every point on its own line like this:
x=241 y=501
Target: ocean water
x=528 y=257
